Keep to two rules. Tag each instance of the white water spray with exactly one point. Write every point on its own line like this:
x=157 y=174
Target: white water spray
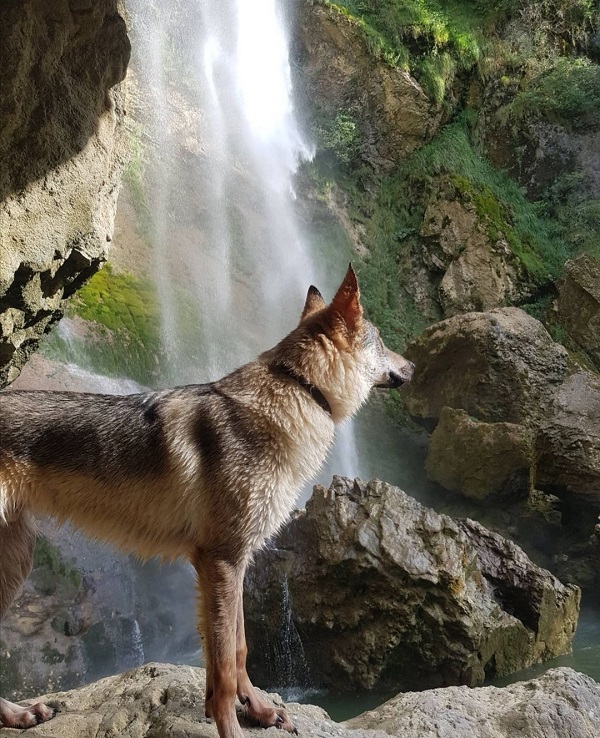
x=231 y=258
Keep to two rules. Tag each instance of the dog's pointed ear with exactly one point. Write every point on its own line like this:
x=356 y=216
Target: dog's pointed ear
x=346 y=303
x=314 y=302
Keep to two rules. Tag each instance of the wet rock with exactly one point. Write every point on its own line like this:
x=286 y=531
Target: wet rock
x=386 y=593
x=568 y=442
x=60 y=159
x=163 y=700
x=391 y=110
x=579 y=304
x=87 y=611
x=480 y=459
x=498 y=366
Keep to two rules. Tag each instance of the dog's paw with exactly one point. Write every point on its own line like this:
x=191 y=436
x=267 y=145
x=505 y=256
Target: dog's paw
x=19 y=716
x=262 y=715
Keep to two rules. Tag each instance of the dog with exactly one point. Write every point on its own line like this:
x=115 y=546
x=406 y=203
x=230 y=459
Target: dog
x=208 y=472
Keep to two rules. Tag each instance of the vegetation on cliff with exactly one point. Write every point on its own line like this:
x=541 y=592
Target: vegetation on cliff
x=518 y=87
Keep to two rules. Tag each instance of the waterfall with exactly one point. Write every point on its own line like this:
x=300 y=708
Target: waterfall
x=232 y=263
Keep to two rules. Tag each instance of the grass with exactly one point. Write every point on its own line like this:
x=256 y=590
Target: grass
x=390 y=210
x=499 y=201
x=565 y=90
x=431 y=40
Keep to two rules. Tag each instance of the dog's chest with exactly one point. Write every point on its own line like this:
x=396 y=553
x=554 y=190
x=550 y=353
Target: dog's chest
x=285 y=470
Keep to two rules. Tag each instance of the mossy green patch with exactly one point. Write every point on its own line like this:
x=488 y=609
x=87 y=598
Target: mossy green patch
x=124 y=313
x=499 y=201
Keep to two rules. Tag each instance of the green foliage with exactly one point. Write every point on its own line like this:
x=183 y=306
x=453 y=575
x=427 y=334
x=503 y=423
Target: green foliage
x=125 y=337
x=430 y=39
x=566 y=92
x=498 y=200
x=339 y=137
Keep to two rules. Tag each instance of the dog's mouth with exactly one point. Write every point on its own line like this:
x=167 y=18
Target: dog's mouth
x=397 y=379
x=393 y=381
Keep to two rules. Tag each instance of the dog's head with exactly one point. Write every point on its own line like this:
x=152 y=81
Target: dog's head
x=340 y=352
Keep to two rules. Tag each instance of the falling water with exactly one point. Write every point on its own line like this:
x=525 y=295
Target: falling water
x=232 y=264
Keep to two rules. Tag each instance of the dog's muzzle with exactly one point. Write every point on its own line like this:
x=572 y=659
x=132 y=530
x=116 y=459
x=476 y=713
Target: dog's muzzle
x=398 y=378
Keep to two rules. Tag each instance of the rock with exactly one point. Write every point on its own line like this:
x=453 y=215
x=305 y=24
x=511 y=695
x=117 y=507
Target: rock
x=558 y=704
x=568 y=442
x=480 y=459
x=479 y=273
x=579 y=304
x=60 y=159
x=386 y=593
x=498 y=366
x=157 y=700
x=392 y=112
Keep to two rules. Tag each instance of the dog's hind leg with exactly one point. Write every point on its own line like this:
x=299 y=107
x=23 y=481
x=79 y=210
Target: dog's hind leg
x=17 y=540
x=256 y=709
x=219 y=581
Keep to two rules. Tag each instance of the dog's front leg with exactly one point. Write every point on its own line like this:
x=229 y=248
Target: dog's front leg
x=219 y=581
x=256 y=709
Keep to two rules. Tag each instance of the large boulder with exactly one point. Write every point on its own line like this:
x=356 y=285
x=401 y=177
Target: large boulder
x=568 y=441
x=60 y=159
x=579 y=304
x=498 y=366
x=384 y=592
x=393 y=115
x=558 y=704
x=164 y=700
x=480 y=459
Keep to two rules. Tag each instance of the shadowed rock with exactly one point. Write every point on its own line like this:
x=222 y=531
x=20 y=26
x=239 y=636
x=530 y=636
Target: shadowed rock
x=60 y=159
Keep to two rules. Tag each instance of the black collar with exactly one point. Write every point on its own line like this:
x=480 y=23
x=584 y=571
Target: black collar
x=313 y=391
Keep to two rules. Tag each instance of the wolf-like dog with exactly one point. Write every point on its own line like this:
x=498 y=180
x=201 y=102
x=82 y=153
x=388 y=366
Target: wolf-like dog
x=207 y=472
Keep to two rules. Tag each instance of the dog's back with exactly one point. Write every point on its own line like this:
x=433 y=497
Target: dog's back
x=208 y=472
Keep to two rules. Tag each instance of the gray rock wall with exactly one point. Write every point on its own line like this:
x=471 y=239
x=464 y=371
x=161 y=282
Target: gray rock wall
x=60 y=158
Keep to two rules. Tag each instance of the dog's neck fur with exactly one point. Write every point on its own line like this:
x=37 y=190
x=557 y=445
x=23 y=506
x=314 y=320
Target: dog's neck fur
x=313 y=391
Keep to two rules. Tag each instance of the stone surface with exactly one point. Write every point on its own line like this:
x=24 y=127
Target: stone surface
x=568 y=442
x=393 y=114
x=499 y=366
x=559 y=704
x=579 y=304
x=60 y=159
x=480 y=459
x=383 y=592
x=479 y=273
x=159 y=700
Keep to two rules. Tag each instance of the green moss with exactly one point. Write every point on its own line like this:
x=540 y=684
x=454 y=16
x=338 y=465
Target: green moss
x=124 y=312
x=497 y=198
x=430 y=39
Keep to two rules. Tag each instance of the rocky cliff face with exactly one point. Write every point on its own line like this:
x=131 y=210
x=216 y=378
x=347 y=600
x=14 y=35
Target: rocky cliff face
x=392 y=114
x=60 y=159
